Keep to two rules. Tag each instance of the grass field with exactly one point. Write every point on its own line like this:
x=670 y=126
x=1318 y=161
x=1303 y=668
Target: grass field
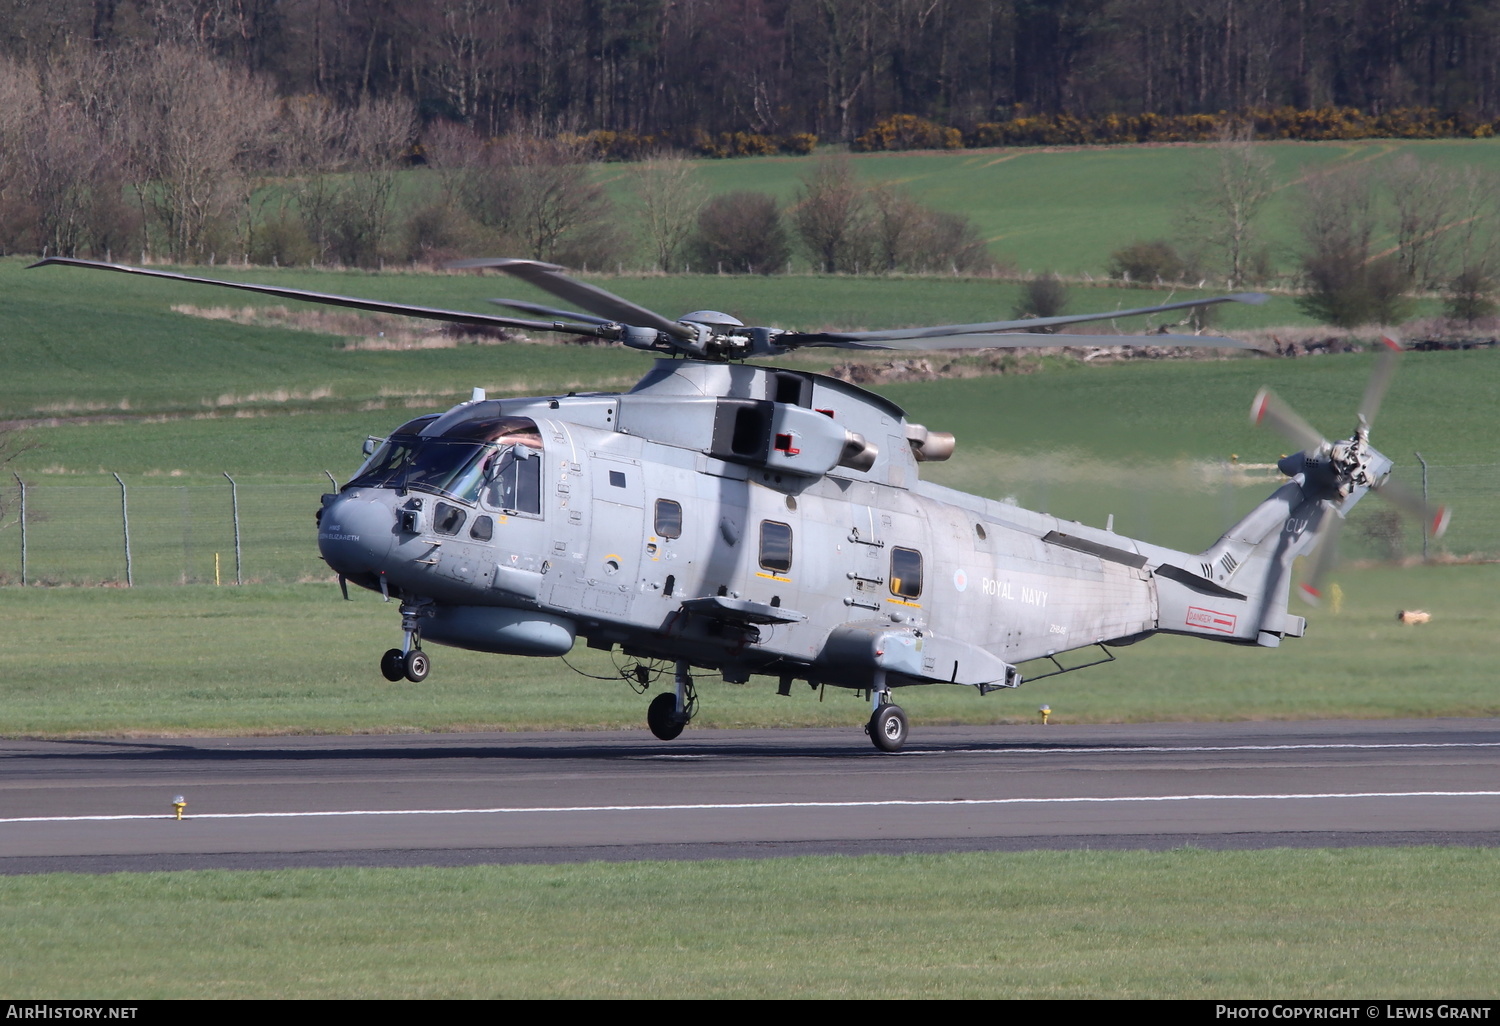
x=297 y=659
x=1358 y=923
x=1065 y=209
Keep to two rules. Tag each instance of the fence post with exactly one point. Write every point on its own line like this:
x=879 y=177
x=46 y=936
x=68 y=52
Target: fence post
x=234 y=506
x=125 y=519
x=22 y=484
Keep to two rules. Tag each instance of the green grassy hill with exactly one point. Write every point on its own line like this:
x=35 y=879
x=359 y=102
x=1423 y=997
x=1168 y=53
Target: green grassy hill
x=1065 y=209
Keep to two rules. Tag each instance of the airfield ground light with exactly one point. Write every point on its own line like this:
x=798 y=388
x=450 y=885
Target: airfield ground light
x=178 y=804
x=1046 y=712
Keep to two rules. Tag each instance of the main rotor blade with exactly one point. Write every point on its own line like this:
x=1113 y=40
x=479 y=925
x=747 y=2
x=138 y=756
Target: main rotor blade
x=1267 y=409
x=328 y=299
x=549 y=311
x=549 y=278
x=1323 y=560
x=1025 y=325
x=1380 y=381
x=997 y=340
x=1434 y=518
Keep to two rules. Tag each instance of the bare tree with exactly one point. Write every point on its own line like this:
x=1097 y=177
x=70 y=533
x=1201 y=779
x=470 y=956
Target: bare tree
x=20 y=104
x=1475 y=246
x=1423 y=198
x=1223 y=209
x=899 y=224
x=540 y=195
x=61 y=185
x=669 y=197
x=1345 y=282
x=741 y=233
x=194 y=127
x=65 y=167
x=375 y=139
x=831 y=214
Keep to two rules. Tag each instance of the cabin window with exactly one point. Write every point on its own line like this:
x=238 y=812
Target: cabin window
x=447 y=519
x=906 y=572
x=775 y=546
x=483 y=529
x=668 y=518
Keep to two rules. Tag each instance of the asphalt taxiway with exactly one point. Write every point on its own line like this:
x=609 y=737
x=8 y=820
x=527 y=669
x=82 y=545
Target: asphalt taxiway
x=462 y=799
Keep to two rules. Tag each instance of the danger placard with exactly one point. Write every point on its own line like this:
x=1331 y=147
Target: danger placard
x=1210 y=619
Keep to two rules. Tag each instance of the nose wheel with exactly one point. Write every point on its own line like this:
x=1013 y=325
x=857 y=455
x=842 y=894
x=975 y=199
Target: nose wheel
x=413 y=665
x=393 y=665
x=408 y=661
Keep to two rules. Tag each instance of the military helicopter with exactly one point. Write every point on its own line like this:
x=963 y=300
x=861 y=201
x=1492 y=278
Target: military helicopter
x=752 y=520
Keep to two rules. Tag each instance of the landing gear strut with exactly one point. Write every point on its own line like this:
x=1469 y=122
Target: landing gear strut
x=409 y=660
x=670 y=711
x=887 y=727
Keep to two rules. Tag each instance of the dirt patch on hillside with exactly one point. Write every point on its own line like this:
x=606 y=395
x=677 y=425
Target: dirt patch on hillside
x=362 y=331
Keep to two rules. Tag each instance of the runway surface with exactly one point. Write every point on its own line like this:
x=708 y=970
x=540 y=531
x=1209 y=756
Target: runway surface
x=466 y=799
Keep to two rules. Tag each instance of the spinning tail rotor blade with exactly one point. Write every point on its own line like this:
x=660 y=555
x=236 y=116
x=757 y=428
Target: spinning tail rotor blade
x=1311 y=589
x=1434 y=518
x=1380 y=382
x=549 y=278
x=1269 y=410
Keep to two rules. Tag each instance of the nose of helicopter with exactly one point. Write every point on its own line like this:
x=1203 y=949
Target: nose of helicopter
x=356 y=532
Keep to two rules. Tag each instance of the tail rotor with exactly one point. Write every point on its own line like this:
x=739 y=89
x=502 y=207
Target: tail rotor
x=1340 y=469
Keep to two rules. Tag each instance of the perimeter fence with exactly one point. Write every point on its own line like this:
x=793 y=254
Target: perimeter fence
x=147 y=531
x=150 y=531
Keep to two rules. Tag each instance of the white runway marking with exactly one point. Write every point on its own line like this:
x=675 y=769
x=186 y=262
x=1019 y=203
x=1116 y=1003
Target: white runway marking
x=745 y=806
x=1127 y=749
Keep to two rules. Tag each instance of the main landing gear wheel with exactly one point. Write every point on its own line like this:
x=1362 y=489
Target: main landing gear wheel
x=393 y=665
x=887 y=728
x=662 y=718
x=417 y=665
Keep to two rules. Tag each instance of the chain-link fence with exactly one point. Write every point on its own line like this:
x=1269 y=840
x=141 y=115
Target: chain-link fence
x=145 y=530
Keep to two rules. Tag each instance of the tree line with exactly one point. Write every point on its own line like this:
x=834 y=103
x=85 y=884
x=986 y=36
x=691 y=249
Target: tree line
x=829 y=68
x=169 y=153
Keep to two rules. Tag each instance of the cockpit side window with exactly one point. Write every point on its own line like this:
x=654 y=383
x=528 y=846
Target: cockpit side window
x=483 y=529
x=514 y=480
x=449 y=519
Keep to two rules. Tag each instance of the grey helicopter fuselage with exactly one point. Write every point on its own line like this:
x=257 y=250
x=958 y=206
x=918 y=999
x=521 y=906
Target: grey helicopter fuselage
x=751 y=520
x=760 y=521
